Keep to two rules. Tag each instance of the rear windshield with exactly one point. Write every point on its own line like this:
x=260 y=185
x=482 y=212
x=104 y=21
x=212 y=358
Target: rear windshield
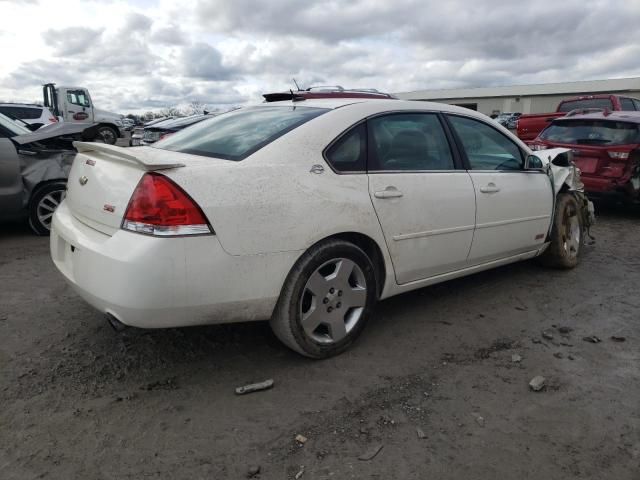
x=238 y=134
x=586 y=103
x=591 y=132
x=24 y=113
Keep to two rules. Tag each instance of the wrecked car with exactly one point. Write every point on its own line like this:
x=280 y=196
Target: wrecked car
x=33 y=169
x=351 y=201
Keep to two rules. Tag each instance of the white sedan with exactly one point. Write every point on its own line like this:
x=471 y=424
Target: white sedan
x=307 y=213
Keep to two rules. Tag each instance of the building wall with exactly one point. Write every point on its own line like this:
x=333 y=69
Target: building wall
x=524 y=104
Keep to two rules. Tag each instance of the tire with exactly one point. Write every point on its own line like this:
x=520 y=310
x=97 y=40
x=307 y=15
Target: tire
x=567 y=234
x=326 y=299
x=106 y=135
x=44 y=201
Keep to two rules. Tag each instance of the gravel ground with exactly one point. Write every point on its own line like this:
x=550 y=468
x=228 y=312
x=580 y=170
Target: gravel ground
x=80 y=401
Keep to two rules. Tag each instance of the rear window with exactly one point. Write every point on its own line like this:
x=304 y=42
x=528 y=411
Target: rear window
x=591 y=132
x=586 y=103
x=238 y=134
x=23 y=113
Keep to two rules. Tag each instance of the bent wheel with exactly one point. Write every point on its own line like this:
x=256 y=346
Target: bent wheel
x=566 y=234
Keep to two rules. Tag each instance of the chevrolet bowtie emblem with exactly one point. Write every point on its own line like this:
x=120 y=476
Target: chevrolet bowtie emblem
x=83 y=180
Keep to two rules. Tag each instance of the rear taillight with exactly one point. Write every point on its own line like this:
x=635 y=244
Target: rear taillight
x=160 y=207
x=619 y=155
x=53 y=119
x=166 y=135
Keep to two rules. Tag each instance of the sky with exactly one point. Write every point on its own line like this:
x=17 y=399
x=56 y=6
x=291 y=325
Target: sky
x=141 y=55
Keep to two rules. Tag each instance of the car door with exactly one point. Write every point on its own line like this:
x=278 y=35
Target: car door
x=10 y=179
x=425 y=205
x=513 y=205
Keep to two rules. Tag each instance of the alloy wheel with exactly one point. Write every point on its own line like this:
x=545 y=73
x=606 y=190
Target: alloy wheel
x=47 y=206
x=333 y=300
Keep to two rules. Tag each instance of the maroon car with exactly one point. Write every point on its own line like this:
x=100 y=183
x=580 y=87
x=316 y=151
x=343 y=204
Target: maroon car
x=606 y=148
x=325 y=92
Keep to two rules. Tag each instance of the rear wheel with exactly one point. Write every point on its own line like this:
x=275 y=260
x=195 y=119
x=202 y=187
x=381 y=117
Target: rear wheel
x=566 y=234
x=326 y=300
x=43 y=204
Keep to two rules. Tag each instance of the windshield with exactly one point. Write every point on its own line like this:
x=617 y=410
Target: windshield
x=13 y=126
x=591 y=132
x=236 y=135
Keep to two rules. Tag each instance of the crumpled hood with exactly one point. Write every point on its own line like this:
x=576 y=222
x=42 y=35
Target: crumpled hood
x=52 y=130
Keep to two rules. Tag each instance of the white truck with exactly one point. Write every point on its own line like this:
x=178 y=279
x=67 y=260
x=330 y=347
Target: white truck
x=74 y=105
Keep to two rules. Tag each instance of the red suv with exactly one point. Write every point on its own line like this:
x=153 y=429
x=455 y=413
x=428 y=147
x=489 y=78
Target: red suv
x=606 y=148
x=325 y=92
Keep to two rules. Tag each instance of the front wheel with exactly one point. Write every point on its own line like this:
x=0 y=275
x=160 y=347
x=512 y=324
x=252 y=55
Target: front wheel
x=326 y=300
x=43 y=204
x=566 y=234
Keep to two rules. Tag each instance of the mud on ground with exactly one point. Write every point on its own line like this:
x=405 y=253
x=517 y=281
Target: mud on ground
x=81 y=401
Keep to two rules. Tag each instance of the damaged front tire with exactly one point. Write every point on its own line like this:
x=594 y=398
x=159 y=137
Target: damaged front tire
x=567 y=234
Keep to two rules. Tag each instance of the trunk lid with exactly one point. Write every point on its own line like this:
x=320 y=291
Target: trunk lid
x=103 y=178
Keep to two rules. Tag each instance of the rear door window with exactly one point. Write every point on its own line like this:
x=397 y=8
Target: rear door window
x=486 y=148
x=586 y=103
x=591 y=132
x=236 y=135
x=408 y=141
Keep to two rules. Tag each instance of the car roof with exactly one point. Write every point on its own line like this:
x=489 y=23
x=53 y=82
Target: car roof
x=616 y=116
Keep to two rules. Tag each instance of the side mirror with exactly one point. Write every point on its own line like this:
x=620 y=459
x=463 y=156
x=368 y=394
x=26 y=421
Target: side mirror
x=533 y=163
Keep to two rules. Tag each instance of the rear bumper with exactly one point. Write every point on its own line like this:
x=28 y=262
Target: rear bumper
x=152 y=282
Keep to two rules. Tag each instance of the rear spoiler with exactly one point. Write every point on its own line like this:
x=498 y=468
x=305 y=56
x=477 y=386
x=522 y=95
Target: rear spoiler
x=140 y=158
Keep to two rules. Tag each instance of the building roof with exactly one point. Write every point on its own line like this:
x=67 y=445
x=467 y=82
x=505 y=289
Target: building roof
x=586 y=86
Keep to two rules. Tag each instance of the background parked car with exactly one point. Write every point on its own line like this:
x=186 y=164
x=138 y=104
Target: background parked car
x=33 y=169
x=34 y=115
x=155 y=132
x=326 y=92
x=138 y=131
x=606 y=148
x=508 y=120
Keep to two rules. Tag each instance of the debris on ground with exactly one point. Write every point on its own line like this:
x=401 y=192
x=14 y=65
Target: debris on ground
x=536 y=340
x=565 y=330
x=420 y=433
x=301 y=439
x=497 y=346
x=253 y=471
x=570 y=357
x=300 y=472
x=371 y=453
x=616 y=338
x=515 y=358
x=255 y=387
x=479 y=420
x=547 y=335
x=522 y=309
x=537 y=383
x=167 y=384
x=591 y=339
x=558 y=355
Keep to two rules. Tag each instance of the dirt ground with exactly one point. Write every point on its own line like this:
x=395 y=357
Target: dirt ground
x=80 y=401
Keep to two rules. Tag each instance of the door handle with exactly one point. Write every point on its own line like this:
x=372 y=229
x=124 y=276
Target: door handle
x=490 y=188
x=389 y=192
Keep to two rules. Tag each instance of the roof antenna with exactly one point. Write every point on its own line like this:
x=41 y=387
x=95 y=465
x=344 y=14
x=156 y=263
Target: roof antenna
x=296 y=84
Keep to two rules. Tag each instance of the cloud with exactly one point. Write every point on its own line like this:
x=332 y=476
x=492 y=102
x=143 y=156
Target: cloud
x=72 y=40
x=145 y=53
x=169 y=36
x=205 y=62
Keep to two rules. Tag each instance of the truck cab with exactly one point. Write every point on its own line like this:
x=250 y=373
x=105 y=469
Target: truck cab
x=74 y=105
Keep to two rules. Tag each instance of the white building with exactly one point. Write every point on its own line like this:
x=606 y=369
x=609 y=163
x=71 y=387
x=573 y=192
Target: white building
x=539 y=98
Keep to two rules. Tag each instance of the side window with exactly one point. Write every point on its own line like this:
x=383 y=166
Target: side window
x=486 y=147
x=627 y=104
x=349 y=153
x=408 y=141
x=78 y=97
x=636 y=103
